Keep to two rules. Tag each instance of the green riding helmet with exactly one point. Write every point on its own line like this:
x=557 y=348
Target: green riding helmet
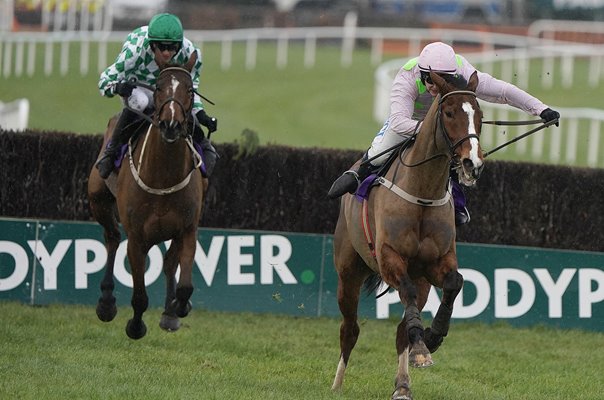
x=165 y=28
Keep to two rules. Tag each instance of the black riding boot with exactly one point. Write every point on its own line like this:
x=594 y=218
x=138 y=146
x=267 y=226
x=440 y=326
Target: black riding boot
x=209 y=152
x=462 y=215
x=350 y=180
x=120 y=135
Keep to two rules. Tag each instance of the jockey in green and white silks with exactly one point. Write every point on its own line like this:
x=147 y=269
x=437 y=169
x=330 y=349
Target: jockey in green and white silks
x=137 y=60
x=411 y=96
x=162 y=40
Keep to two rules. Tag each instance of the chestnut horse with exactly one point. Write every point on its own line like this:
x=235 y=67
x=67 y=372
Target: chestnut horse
x=159 y=197
x=404 y=233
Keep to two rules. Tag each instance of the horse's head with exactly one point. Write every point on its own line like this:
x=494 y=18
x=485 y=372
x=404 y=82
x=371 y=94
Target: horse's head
x=173 y=100
x=460 y=120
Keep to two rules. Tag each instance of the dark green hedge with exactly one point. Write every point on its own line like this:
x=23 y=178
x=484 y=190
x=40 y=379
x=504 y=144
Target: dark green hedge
x=44 y=175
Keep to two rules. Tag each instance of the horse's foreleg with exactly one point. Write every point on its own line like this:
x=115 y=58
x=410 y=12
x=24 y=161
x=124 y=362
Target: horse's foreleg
x=169 y=321
x=433 y=336
x=420 y=357
x=136 y=328
x=182 y=303
x=349 y=288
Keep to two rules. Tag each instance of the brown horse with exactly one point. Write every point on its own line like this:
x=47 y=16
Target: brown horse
x=404 y=233
x=159 y=194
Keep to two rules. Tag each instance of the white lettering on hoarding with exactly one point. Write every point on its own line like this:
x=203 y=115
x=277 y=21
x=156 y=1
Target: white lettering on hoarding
x=49 y=261
x=503 y=308
x=208 y=264
x=21 y=267
x=587 y=297
x=271 y=260
x=83 y=266
x=237 y=260
x=554 y=290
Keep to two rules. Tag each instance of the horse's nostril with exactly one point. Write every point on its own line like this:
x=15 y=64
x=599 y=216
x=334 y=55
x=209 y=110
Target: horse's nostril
x=467 y=163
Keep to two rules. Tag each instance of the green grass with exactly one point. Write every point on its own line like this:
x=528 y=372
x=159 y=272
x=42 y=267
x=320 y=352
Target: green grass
x=60 y=352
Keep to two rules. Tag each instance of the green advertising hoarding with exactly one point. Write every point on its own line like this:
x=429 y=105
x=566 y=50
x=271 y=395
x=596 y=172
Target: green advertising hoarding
x=44 y=262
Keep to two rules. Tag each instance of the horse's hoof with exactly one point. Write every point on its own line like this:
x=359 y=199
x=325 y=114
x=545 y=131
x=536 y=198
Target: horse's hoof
x=106 y=312
x=136 y=331
x=402 y=393
x=419 y=356
x=169 y=323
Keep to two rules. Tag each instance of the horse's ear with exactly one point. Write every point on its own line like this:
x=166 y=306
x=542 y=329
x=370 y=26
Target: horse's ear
x=191 y=63
x=473 y=82
x=438 y=80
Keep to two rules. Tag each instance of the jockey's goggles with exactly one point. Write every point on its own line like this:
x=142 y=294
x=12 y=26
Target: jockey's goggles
x=169 y=46
x=425 y=76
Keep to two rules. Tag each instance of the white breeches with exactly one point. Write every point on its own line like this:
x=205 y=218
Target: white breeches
x=385 y=139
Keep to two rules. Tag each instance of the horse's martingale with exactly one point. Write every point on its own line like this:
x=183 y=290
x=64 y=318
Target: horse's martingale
x=414 y=241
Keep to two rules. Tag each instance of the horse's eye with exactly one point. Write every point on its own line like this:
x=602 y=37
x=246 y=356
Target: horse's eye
x=449 y=114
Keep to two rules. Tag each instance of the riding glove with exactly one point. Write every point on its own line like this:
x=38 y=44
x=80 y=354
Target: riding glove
x=123 y=89
x=549 y=115
x=209 y=122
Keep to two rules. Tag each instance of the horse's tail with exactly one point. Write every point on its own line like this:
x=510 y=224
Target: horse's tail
x=371 y=284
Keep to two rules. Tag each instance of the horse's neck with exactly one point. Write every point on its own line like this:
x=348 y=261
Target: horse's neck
x=160 y=162
x=428 y=179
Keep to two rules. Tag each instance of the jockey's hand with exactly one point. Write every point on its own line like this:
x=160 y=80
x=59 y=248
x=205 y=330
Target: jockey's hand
x=209 y=122
x=123 y=89
x=549 y=115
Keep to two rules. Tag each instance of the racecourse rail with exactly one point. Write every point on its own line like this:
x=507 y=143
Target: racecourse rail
x=511 y=54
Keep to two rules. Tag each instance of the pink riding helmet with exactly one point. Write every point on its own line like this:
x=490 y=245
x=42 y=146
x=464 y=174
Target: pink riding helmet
x=438 y=57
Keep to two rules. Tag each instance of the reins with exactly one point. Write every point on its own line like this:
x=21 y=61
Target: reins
x=517 y=123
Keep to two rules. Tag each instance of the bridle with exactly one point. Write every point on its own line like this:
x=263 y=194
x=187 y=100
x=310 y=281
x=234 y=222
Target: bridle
x=452 y=146
x=187 y=137
x=185 y=110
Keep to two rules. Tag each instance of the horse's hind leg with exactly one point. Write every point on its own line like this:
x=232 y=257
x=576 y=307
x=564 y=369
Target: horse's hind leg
x=349 y=288
x=137 y=254
x=102 y=208
x=433 y=336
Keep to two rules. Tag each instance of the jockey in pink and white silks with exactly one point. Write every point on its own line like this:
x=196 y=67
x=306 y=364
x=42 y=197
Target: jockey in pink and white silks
x=411 y=96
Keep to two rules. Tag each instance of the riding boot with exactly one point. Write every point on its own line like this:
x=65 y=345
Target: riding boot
x=121 y=134
x=462 y=215
x=209 y=152
x=210 y=156
x=350 y=180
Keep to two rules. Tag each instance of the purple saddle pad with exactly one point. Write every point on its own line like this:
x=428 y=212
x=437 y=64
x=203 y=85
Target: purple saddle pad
x=365 y=187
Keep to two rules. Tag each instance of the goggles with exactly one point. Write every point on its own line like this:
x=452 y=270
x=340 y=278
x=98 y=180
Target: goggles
x=425 y=76
x=169 y=46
